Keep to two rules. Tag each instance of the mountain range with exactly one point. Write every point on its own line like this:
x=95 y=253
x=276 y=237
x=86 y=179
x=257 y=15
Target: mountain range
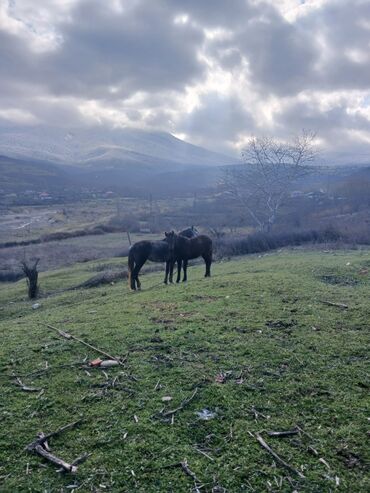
x=123 y=159
x=101 y=147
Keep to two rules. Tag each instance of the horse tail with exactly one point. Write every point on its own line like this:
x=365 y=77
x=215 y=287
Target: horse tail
x=131 y=265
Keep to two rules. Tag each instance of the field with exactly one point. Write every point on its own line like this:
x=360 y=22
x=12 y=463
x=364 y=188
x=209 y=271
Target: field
x=22 y=223
x=254 y=349
x=27 y=223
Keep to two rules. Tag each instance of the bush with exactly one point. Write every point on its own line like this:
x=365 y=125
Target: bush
x=263 y=242
x=10 y=275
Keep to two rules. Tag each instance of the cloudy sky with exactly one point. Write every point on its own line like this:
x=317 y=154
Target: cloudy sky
x=213 y=72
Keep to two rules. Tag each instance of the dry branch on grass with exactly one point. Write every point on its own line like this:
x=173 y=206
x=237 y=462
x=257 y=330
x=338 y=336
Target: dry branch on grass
x=283 y=433
x=338 y=305
x=41 y=447
x=185 y=467
x=67 y=335
x=278 y=459
x=190 y=473
x=184 y=403
x=19 y=382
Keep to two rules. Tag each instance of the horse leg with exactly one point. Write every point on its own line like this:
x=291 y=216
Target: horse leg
x=132 y=279
x=167 y=272
x=178 y=271
x=208 y=261
x=136 y=271
x=172 y=263
x=185 y=267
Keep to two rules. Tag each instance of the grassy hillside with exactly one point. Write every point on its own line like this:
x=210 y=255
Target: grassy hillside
x=286 y=358
x=19 y=175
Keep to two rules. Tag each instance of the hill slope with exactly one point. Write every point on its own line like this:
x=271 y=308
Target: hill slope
x=17 y=174
x=100 y=147
x=286 y=360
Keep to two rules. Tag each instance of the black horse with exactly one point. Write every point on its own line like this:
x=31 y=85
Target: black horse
x=156 y=251
x=183 y=249
x=189 y=232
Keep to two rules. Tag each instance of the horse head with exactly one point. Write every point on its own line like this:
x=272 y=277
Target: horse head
x=189 y=232
x=170 y=238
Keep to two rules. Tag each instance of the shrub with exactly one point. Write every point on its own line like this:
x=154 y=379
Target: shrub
x=10 y=275
x=263 y=242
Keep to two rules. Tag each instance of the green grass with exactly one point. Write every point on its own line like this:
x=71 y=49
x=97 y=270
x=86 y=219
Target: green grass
x=302 y=363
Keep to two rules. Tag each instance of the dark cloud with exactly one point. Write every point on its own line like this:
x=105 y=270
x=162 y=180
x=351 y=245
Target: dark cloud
x=345 y=32
x=105 y=53
x=141 y=59
x=217 y=120
x=281 y=57
x=335 y=126
x=136 y=50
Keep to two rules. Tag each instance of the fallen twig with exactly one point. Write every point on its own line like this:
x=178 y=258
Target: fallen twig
x=283 y=433
x=256 y=413
x=76 y=462
x=184 y=466
x=65 y=466
x=312 y=451
x=189 y=472
x=81 y=459
x=67 y=335
x=181 y=406
x=42 y=438
x=323 y=461
x=45 y=443
x=339 y=305
x=40 y=446
x=204 y=453
x=305 y=433
x=19 y=382
x=278 y=459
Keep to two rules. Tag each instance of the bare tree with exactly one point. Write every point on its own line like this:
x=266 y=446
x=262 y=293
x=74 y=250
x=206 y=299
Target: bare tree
x=32 y=277
x=261 y=184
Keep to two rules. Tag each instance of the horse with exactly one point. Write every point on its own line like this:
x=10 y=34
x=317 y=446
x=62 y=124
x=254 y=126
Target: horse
x=139 y=253
x=183 y=249
x=156 y=251
x=189 y=232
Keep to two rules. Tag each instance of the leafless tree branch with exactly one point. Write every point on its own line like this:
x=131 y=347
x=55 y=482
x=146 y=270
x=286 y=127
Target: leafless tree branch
x=270 y=168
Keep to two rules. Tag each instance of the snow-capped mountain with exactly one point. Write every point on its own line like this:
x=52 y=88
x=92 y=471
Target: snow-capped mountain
x=100 y=147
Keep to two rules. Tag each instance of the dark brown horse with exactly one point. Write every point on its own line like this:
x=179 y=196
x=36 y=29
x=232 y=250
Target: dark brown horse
x=140 y=252
x=156 y=251
x=183 y=249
